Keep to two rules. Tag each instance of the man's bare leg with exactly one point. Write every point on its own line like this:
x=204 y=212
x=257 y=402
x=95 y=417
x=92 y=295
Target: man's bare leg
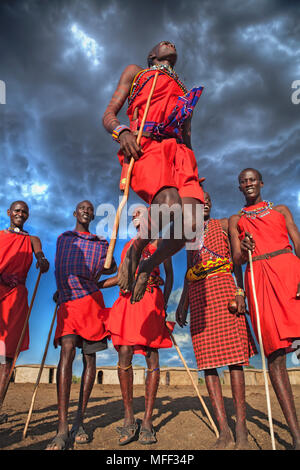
x=149 y=230
x=87 y=383
x=152 y=382
x=125 y=374
x=166 y=249
x=237 y=379
x=213 y=384
x=282 y=387
x=64 y=381
x=4 y=373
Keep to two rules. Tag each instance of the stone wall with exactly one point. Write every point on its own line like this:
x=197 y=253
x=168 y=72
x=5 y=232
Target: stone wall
x=256 y=376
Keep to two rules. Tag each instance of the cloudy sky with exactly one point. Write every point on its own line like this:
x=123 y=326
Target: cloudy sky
x=61 y=61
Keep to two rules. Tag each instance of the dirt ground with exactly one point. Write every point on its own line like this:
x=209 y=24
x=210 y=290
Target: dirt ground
x=178 y=418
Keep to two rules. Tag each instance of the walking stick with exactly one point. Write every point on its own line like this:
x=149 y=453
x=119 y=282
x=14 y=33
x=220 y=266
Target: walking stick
x=20 y=342
x=195 y=386
x=39 y=375
x=112 y=243
x=262 y=352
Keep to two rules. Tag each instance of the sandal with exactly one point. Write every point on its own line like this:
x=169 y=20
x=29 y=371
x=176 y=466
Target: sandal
x=128 y=431
x=147 y=437
x=61 y=441
x=80 y=432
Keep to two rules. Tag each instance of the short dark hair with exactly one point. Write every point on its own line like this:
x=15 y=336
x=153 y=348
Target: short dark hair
x=252 y=169
x=18 y=202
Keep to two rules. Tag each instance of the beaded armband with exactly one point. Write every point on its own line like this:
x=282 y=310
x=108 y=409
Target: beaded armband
x=240 y=292
x=118 y=130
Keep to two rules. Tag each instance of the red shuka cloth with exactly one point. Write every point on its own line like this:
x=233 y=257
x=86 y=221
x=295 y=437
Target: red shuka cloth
x=85 y=317
x=175 y=164
x=16 y=259
x=276 y=280
x=220 y=338
x=141 y=325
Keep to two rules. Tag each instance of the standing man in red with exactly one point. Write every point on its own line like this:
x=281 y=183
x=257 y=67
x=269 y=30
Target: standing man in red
x=220 y=338
x=165 y=170
x=16 y=247
x=265 y=230
x=140 y=328
x=81 y=317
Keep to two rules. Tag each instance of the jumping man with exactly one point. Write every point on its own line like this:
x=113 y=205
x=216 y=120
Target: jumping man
x=165 y=170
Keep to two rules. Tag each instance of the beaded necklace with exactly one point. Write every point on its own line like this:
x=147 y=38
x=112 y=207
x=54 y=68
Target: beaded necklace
x=204 y=249
x=166 y=69
x=258 y=211
x=17 y=230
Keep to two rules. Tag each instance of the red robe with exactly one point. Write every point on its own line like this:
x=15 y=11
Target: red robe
x=141 y=325
x=15 y=259
x=174 y=163
x=276 y=280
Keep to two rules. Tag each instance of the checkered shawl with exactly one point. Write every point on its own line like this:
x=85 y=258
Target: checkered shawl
x=219 y=337
x=79 y=260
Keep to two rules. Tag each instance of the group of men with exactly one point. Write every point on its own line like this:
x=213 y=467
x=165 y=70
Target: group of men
x=164 y=173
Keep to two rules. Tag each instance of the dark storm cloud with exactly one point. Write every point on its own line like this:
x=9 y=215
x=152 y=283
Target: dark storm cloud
x=244 y=53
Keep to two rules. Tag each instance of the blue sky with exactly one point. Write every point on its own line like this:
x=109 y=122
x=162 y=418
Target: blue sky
x=61 y=61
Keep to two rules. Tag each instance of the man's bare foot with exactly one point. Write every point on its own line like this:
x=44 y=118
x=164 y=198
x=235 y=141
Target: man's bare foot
x=60 y=442
x=141 y=282
x=241 y=438
x=224 y=442
x=128 y=269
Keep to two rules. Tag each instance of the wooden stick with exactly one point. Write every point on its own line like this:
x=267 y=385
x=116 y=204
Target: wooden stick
x=262 y=351
x=39 y=375
x=20 y=342
x=113 y=239
x=195 y=386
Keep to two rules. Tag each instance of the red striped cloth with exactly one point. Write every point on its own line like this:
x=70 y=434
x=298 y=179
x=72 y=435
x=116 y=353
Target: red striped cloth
x=219 y=337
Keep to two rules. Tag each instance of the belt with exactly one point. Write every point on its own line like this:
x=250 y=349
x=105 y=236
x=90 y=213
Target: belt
x=272 y=254
x=198 y=272
x=159 y=138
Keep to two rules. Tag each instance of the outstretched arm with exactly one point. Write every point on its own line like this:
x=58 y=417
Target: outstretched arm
x=128 y=144
x=42 y=262
x=109 y=282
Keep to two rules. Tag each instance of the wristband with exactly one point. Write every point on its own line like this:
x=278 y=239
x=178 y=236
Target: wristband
x=118 y=130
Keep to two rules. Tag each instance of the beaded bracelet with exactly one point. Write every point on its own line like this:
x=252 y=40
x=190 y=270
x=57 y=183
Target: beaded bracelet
x=240 y=291
x=117 y=131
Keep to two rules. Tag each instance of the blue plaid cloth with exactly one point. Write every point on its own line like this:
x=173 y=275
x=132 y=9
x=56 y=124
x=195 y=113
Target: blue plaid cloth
x=79 y=260
x=172 y=126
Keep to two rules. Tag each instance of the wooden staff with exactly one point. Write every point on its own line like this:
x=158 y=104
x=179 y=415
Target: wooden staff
x=195 y=386
x=20 y=341
x=39 y=375
x=112 y=243
x=262 y=351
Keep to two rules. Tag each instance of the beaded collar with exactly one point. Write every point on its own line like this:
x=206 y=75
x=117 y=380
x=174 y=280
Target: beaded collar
x=17 y=230
x=203 y=249
x=260 y=211
x=166 y=69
